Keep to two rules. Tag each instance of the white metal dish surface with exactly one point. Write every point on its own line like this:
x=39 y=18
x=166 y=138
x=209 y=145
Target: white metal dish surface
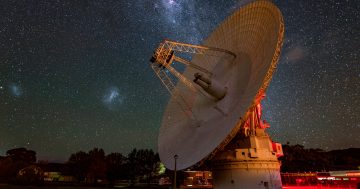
x=254 y=33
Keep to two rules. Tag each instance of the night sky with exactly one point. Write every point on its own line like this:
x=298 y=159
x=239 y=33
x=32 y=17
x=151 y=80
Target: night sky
x=75 y=75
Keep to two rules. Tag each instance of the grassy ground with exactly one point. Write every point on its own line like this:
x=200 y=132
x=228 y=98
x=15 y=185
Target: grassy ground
x=7 y=186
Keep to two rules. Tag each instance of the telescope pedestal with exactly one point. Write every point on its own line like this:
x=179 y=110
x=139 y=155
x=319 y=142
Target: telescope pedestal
x=252 y=164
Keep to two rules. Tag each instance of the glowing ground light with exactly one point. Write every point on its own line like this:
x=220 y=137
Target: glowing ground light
x=162 y=168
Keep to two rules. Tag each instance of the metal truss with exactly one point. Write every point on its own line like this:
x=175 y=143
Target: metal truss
x=174 y=92
x=165 y=55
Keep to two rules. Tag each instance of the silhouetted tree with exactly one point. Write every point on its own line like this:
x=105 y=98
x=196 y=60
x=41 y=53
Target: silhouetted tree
x=79 y=163
x=15 y=160
x=97 y=167
x=22 y=154
x=115 y=163
x=143 y=163
x=149 y=161
x=347 y=159
x=132 y=166
x=298 y=159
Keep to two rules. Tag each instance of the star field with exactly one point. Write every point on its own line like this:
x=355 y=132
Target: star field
x=314 y=97
x=75 y=74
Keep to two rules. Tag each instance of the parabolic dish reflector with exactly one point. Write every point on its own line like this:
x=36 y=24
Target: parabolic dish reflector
x=254 y=33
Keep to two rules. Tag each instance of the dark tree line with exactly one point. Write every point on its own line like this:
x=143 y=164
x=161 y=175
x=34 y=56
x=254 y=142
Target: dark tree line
x=14 y=161
x=143 y=165
x=298 y=159
x=95 y=165
x=86 y=167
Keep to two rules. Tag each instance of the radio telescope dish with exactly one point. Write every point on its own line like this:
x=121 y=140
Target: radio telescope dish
x=219 y=85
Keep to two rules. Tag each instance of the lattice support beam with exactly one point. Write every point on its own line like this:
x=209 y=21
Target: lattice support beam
x=165 y=55
x=170 y=86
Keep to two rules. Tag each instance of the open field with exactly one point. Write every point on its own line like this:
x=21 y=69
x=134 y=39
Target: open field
x=5 y=186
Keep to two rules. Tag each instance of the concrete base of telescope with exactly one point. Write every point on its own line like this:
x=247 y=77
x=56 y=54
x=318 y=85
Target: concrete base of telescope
x=253 y=164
